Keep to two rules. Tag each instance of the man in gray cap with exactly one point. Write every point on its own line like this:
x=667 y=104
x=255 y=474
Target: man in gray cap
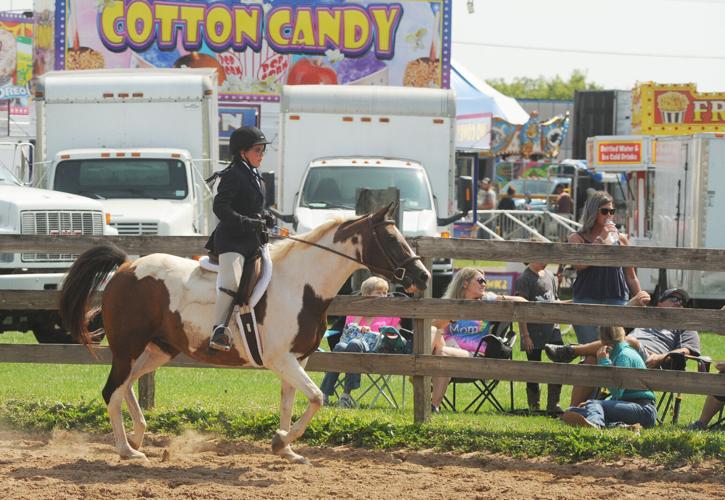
x=655 y=345
x=239 y=205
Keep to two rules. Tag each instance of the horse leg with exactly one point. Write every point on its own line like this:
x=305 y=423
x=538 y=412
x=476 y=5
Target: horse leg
x=293 y=377
x=285 y=420
x=113 y=394
x=150 y=359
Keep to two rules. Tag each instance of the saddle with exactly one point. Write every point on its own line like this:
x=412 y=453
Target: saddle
x=256 y=275
x=251 y=275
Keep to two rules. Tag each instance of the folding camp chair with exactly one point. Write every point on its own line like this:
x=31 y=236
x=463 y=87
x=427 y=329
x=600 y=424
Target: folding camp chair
x=505 y=333
x=374 y=386
x=669 y=402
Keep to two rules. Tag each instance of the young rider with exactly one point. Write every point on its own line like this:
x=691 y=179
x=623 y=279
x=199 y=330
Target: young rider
x=239 y=205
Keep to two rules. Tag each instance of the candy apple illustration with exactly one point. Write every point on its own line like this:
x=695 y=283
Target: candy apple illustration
x=311 y=72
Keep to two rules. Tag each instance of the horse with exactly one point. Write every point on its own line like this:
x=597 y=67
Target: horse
x=160 y=305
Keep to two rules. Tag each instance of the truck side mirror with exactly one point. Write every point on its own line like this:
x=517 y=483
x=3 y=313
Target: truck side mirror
x=464 y=193
x=269 y=189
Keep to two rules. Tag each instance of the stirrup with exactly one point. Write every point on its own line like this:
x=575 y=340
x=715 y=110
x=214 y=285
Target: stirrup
x=221 y=339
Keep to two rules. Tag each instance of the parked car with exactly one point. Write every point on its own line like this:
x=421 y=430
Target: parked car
x=539 y=190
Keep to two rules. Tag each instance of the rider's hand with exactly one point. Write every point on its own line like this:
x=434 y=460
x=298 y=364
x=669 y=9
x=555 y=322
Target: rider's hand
x=269 y=219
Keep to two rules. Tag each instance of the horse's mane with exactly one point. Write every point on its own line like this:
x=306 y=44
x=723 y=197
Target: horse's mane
x=280 y=249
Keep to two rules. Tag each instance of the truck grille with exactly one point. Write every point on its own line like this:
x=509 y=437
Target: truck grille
x=136 y=228
x=63 y=223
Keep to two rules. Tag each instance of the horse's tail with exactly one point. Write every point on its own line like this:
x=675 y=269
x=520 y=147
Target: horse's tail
x=85 y=275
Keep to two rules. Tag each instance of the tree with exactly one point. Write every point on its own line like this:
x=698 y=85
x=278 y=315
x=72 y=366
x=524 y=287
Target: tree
x=544 y=88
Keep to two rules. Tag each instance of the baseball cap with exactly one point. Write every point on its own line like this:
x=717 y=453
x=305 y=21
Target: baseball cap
x=486 y=180
x=682 y=295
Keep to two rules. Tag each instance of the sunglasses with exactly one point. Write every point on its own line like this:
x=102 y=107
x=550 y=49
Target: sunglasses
x=607 y=211
x=675 y=300
x=481 y=281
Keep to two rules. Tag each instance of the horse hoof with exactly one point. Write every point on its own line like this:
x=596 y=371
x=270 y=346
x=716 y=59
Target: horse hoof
x=299 y=459
x=293 y=457
x=134 y=455
x=278 y=443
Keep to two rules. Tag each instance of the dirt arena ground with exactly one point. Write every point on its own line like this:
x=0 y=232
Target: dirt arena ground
x=72 y=465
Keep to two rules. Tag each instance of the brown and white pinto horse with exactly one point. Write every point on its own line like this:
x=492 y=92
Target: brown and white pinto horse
x=160 y=305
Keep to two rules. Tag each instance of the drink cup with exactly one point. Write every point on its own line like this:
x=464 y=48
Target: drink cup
x=613 y=234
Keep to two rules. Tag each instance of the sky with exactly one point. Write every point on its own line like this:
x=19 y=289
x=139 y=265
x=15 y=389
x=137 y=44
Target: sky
x=616 y=42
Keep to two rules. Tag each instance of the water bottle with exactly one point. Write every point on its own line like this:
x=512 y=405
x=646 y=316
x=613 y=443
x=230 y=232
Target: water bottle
x=613 y=234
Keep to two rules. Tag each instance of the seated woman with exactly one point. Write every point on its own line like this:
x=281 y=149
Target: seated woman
x=461 y=337
x=359 y=335
x=627 y=406
x=713 y=404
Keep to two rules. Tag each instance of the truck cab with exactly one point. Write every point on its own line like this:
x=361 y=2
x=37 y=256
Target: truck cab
x=145 y=191
x=30 y=211
x=330 y=187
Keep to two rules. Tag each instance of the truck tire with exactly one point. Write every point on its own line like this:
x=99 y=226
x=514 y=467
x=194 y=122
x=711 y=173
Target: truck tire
x=47 y=330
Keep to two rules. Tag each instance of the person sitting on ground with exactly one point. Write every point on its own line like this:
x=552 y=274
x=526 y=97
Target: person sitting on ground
x=461 y=338
x=361 y=334
x=653 y=344
x=538 y=284
x=713 y=404
x=627 y=406
x=507 y=202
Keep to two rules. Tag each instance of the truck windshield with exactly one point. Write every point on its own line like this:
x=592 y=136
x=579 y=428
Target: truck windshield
x=7 y=178
x=337 y=187
x=123 y=178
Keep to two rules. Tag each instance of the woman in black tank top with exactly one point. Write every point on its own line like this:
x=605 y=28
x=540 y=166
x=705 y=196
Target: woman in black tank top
x=597 y=284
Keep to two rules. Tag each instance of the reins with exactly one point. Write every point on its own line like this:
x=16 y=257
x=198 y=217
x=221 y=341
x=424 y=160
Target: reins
x=398 y=271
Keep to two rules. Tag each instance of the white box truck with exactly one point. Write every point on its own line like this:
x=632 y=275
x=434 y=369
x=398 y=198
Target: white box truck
x=141 y=141
x=676 y=199
x=29 y=211
x=336 y=140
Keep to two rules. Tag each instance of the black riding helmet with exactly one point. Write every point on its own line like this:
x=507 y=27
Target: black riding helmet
x=244 y=138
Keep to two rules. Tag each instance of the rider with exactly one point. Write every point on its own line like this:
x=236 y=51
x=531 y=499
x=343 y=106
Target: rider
x=239 y=205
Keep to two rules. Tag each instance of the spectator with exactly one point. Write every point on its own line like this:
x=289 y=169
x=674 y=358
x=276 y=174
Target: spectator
x=527 y=201
x=564 y=204
x=653 y=344
x=538 y=284
x=596 y=284
x=713 y=404
x=486 y=195
x=460 y=338
x=360 y=334
x=631 y=407
x=507 y=201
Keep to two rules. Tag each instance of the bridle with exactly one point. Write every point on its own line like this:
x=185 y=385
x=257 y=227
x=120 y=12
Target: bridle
x=398 y=268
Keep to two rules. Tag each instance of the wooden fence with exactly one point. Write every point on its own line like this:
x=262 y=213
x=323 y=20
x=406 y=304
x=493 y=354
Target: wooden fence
x=421 y=365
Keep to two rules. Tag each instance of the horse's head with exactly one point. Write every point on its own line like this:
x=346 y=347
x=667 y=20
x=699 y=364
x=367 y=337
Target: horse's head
x=384 y=249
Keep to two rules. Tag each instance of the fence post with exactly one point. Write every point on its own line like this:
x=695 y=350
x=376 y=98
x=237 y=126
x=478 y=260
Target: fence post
x=422 y=345
x=147 y=390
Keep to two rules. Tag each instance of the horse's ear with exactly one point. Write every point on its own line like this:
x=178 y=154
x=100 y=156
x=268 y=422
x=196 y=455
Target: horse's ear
x=392 y=208
x=380 y=214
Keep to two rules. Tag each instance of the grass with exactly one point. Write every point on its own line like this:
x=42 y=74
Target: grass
x=244 y=403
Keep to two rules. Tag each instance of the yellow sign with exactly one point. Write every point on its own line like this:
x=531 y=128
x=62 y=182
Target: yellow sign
x=666 y=109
